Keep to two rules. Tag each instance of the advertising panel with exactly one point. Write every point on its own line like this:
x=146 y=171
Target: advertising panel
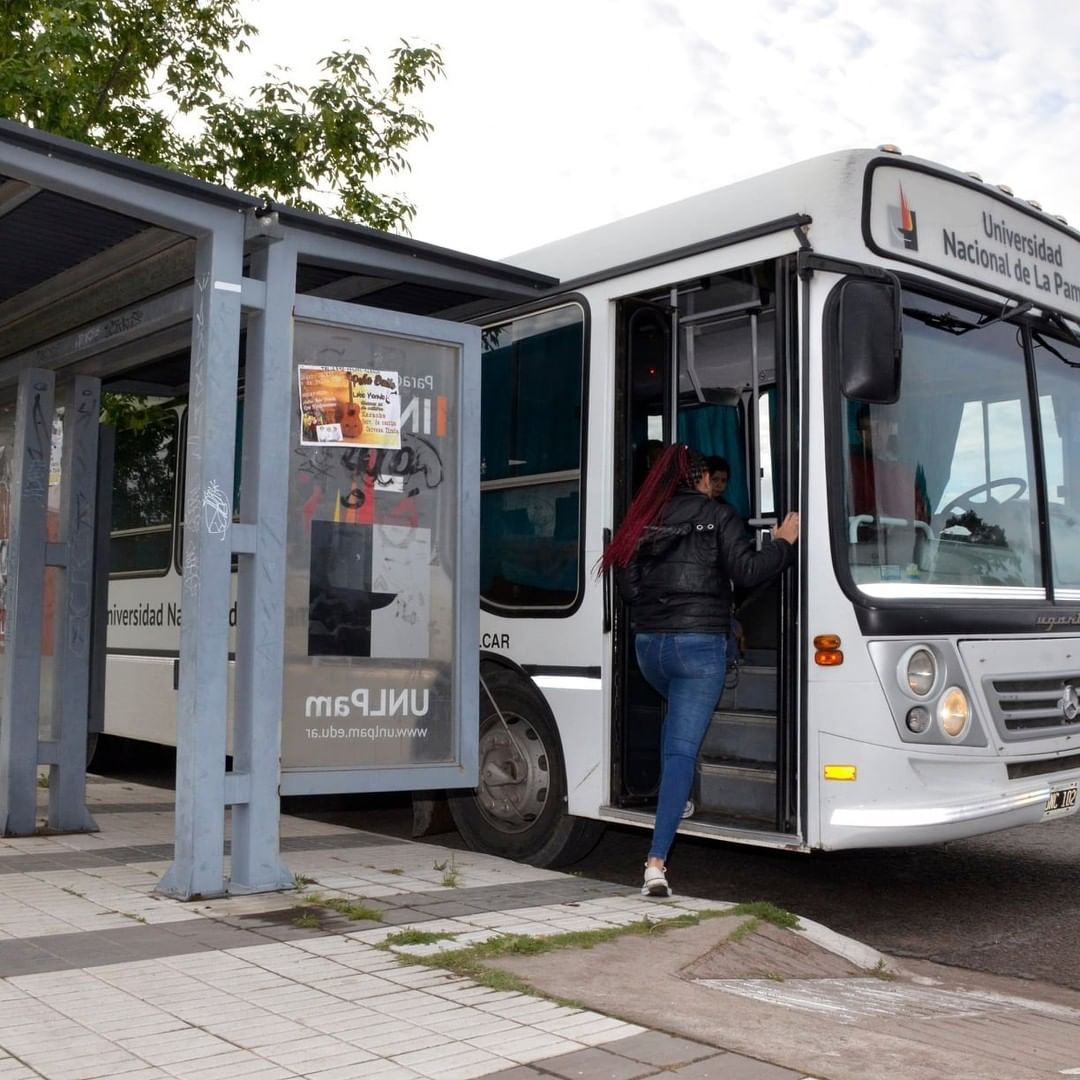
x=372 y=551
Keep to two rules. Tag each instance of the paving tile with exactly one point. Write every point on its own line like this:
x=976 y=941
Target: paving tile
x=595 y=1064
x=518 y=1072
x=732 y=1067
x=657 y=1048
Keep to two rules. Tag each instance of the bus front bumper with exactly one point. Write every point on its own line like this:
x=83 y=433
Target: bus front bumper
x=940 y=800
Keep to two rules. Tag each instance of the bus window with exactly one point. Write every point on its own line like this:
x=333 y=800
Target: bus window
x=531 y=439
x=766 y=449
x=143 y=498
x=1059 y=410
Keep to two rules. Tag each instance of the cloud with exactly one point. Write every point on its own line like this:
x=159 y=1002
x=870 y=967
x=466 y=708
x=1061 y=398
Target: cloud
x=556 y=118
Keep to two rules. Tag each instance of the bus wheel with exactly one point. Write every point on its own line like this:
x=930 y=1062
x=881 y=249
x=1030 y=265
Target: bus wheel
x=518 y=811
x=91 y=747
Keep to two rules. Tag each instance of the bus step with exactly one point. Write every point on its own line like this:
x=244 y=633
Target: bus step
x=746 y=788
x=755 y=688
x=748 y=736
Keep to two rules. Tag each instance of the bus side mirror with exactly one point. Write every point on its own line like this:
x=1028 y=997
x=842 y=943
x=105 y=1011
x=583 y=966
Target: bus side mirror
x=869 y=339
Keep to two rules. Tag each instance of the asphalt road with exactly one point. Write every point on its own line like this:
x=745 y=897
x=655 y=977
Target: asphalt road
x=1007 y=903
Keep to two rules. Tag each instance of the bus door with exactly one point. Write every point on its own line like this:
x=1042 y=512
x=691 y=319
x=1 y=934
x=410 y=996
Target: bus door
x=723 y=382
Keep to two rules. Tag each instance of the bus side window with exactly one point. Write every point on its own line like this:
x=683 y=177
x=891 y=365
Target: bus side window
x=143 y=498
x=532 y=427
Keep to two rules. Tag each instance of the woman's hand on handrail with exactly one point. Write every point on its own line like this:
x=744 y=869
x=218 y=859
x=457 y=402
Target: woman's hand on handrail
x=788 y=529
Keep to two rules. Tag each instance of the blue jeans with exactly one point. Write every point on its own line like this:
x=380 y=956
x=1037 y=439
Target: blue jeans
x=688 y=671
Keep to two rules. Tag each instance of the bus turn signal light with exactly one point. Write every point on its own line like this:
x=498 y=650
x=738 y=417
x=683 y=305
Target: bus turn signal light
x=828 y=652
x=839 y=772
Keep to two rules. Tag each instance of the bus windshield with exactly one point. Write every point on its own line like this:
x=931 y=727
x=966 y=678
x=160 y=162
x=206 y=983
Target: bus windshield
x=941 y=488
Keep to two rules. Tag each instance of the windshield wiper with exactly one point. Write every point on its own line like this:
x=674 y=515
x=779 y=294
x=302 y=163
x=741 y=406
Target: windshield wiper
x=1036 y=336
x=948 y=322
x=1064 y=327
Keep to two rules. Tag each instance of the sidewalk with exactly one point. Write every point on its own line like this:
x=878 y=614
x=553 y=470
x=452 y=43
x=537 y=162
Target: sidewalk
x=100 y=978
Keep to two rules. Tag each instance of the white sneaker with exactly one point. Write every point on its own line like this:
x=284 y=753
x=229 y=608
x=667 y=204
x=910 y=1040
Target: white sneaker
x=689 y=808
x=655 y=882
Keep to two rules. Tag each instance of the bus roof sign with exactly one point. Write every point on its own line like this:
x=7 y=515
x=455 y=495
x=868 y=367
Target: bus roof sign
x=964 y=230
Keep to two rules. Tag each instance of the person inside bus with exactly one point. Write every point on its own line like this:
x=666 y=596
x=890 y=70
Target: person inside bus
x=653 y=449
x=719 y=474
x=882 y=485
x=677 y=552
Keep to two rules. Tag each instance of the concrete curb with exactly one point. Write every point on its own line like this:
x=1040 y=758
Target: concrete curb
x=856 y=952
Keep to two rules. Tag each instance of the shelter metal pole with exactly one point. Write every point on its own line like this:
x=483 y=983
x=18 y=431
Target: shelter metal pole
x=202 y=707
x=21 y=691
x=74 y=610
x=256 y=861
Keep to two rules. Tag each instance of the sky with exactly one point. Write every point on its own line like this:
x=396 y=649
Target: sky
x=558 y=116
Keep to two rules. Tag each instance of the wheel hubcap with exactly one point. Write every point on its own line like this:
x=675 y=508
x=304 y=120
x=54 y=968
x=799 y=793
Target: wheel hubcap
x=513 y=774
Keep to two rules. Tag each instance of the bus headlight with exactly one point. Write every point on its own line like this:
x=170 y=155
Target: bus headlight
x=954 y=712
x=918 y=719
x=921 y=672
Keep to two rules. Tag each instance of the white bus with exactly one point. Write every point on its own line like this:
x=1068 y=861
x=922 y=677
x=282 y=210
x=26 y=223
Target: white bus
x=889 y=347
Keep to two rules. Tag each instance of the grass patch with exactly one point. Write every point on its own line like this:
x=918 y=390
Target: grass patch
x=759 y=911
x=415 y=937
x=743 y=931
x=471 y=961
x=301 y=881
x=351 y=909
x=766 y=912
x=306 y=920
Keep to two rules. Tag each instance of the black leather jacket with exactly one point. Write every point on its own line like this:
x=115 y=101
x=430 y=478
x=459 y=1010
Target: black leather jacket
x=688 y=588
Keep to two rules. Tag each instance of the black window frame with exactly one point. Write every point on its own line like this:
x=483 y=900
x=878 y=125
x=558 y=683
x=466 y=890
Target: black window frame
x=171 y=416
x=552 y=611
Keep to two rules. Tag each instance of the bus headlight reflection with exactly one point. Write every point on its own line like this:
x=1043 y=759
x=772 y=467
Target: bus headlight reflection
x=954 y=712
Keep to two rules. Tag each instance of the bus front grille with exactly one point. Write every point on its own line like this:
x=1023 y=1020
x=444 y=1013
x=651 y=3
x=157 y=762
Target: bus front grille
x=1024 y=706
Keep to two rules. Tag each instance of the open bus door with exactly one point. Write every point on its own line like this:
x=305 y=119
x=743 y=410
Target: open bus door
x=711 y=363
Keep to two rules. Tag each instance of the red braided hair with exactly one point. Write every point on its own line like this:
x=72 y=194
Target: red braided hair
x=677 y=467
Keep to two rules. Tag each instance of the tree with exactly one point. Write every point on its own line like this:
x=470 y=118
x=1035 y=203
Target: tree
x=117 y=73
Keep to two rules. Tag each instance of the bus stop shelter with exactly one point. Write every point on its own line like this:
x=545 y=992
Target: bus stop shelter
x=123 y=277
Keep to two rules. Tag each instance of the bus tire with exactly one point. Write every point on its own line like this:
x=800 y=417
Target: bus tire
x=518 y=811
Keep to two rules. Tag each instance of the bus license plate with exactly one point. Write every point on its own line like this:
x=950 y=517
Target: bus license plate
x=1061 y=801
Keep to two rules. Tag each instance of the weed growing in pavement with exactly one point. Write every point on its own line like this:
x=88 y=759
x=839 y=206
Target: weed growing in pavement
x=882 y=971
x=450 y=873
x=414 y=937
x=306 y=920
x=351 y=909
x=395 y=870
x=301 y=881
